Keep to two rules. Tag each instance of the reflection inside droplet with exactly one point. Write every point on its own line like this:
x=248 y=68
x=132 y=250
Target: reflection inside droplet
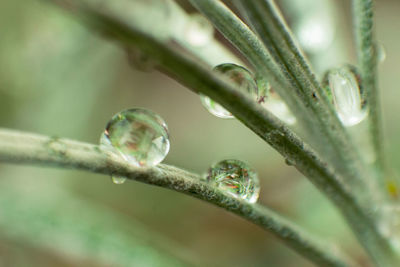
x=235 y=178
x=138 y=135
x=346 y=96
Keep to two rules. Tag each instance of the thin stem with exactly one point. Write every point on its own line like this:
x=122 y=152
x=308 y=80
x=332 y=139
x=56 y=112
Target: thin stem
x=199 y=77
x=246 y=41
x=366 y=54
x=328 y=134
x=27 y=148
x=284 y=51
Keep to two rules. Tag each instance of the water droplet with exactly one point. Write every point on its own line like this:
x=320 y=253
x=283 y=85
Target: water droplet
x=139 y=60
x=238 y=75
x=346 y=96
x=289 y=162
x=236 y=178
x=381 y=53
x=198 y=30
x=118 y=179
x=138 y=135
x=276 y=106
x=389 y=223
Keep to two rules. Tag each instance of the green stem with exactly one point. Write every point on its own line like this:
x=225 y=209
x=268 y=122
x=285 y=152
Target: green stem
x=366 y=54
x=26 y=148
x=328 y=134
x=199 y=77
x=253 y=49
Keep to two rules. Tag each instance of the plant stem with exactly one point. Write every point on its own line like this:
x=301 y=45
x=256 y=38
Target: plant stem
x=199 y=77
x=253 y=49
x=27 y=148
x=366 y=54
x=328 y=135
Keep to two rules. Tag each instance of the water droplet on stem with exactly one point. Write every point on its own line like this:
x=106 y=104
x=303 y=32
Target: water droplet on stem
x=236 y=178
x=238 y=75
x=140 y=136
x=346 y=96
x=118 y=179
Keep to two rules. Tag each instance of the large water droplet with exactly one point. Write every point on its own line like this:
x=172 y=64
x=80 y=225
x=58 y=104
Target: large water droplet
x=118 y=179
x=198 y=30
x=346 y=96
x=138 y=135
x=241 y=77
x=236 y=178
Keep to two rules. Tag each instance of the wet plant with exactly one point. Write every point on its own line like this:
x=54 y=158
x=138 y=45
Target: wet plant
x=314 y=124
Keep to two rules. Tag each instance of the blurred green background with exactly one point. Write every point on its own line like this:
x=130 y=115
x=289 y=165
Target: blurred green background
x=57 y=78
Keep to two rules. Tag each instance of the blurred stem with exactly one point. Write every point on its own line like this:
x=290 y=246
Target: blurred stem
x=82 y=230
x=26 y=148
x=198 y=76
x=366 y=54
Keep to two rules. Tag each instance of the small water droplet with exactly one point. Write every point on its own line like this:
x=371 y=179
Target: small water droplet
x=139 y=60
x=138 y=135
x=118 y=179
x=198 y=30
x=215 y=108
x=241 y=77
x=346 y=96
x=289 y=162
x=236 y=178
x=389 y=223
x=381 y=53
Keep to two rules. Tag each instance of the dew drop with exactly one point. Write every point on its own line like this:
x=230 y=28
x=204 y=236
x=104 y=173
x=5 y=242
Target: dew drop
x=139 y=60
x=389 y=223
x=346 y=96
x=198 y=30
x=138 y=135
x=289 y=162
x=381 y=53
x=239 y=76
x=236 y=178
x=118 y=179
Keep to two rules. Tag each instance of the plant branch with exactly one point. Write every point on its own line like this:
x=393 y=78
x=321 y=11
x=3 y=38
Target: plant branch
x=328 y=134
x=26 y=148
x=366 y=54
x=247 y=42
x=199 y=77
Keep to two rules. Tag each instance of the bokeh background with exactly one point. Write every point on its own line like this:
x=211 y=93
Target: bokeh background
x=59 y=79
